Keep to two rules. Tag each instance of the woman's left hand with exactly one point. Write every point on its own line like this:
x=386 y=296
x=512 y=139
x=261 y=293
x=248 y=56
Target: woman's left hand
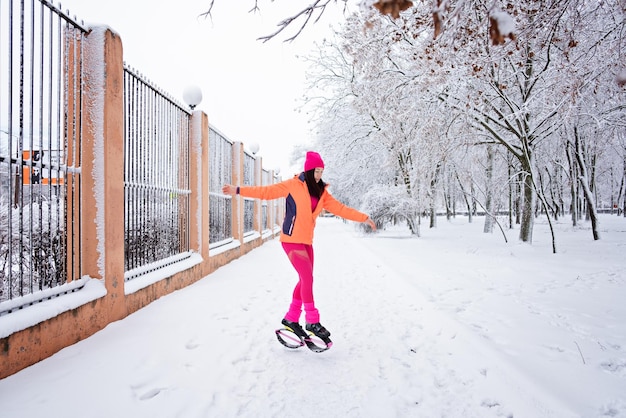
x=370 y=223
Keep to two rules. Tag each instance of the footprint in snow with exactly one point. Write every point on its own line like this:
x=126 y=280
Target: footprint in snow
x=614 y=366
x=191 y=345
x=150 y=394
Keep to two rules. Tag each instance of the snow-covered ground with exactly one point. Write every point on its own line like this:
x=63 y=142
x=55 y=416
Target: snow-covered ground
x=456 y=323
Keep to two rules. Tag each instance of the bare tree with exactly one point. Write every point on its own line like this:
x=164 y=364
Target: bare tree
x=306 y=16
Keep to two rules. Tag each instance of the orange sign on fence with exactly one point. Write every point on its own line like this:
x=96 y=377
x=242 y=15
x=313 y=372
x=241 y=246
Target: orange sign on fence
x=41 y=171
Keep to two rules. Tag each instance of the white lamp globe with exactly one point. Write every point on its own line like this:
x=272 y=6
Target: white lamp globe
x=192 y=95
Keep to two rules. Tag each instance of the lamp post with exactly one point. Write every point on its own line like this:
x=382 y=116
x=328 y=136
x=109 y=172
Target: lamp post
x=192 y=95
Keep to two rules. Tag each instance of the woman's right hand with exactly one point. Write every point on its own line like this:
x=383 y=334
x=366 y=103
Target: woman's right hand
x=229 y=189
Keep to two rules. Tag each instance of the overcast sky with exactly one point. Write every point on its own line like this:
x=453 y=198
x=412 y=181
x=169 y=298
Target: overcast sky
x=250 y=89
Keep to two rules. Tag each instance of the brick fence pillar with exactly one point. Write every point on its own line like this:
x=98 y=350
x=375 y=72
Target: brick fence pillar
x=103 y=175
x=199 y=183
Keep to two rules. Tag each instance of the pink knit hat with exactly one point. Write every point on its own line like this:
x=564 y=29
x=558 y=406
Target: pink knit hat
x=313 y=160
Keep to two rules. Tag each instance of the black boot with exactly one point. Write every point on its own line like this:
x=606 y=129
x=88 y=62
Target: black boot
x=318 y=330
x=295 y=328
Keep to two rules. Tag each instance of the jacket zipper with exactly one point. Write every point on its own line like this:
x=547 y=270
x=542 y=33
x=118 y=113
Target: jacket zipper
x=293 y=221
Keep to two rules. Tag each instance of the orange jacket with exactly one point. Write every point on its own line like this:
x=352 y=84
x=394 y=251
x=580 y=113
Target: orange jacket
x=299 y=221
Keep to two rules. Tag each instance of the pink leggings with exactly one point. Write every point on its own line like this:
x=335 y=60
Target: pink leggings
x=301 y=257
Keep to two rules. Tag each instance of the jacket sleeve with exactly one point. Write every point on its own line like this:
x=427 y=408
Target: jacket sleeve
x=270 y=192
x=339 y=209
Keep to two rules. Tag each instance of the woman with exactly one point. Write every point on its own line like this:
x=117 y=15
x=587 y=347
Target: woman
x=305 y=197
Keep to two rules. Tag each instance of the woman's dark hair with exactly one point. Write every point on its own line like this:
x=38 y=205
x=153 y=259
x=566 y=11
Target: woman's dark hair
x=315 y=188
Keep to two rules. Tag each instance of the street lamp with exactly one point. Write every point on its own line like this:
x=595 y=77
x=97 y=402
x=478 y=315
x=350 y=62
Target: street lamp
x=192 y=95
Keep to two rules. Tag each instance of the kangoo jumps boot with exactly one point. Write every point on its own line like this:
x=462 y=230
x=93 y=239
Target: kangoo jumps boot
x=296 y=328
x=318 y=329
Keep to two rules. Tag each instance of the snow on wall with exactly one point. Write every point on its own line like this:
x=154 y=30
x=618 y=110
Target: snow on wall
x=95 y=70
x=196 y=149
x=42 y=310
x=153 y=273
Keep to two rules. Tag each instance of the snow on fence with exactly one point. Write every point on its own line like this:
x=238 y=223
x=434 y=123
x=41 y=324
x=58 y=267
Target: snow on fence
x=156 y=175
x=248 y=203
x=220 y=206
x=266 y=179
x=40 y=152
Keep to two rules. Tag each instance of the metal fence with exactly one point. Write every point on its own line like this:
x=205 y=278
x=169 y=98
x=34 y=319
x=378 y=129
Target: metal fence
x=248 y=203
x=278 y=206
x=266 y=206
x=40 y=119
x=220 y=206
x=156 y=177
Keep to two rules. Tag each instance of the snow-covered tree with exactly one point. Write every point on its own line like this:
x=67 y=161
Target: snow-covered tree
x=422 y=101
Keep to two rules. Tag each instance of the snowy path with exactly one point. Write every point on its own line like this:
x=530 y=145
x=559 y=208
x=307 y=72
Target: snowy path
x=209 y=350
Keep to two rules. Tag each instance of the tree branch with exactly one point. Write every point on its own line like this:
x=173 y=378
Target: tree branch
x=307 y=14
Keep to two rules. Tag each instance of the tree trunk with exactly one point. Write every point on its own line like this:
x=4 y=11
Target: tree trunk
x=418 y=225
x=613 y=201
x=560 y=191
x=529 y=199
x=573 y=181
x=584 y=181
x=619 y=195
x=413 y=227
x=624 y=177
x=528 y=205
x=433 y=194
x=488 y=226
x=518 y=199
x=465 y=194
x=445 y=194
x=433 y=218
x=511 y=190
x=472 y=194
